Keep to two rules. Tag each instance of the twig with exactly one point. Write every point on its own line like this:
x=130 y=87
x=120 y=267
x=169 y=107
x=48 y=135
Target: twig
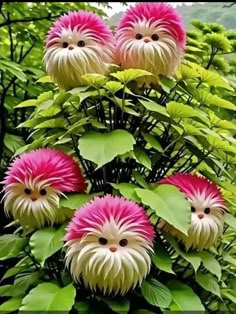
x=29 y=19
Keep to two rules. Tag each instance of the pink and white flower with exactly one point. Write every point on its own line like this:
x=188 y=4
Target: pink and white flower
x=150 y=36
x=109 y=242
x=207 y=206
x=78 y=43
x=34 y=182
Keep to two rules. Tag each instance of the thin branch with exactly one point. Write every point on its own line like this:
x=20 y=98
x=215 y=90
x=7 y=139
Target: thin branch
x=230 y=5
x=29 y=19
x=11 y=39
x=22 y=57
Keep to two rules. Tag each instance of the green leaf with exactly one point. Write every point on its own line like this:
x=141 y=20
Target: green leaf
x=61 y=99
x=192 y=257
x=13 y=142
x=45 y=242
x=11 y=245
x=186 y=72
x=151 y=140
x=45 y=79
x=13 y=68
x=12 y=272
x=29 y=123
x=51 y=124
x=11 y=305
x=205 y=97
x=129 y=75
x=127 y=190
x=27 y=103
x=179 y=110
x=191 y=130
x=166 y=83
x=49 y=297
x=229 y=294
x=140 y=180
x=209 y=283
x=161 y=259
x=82 y=307
x=229 y=259
x=168 y=203
x=94 y=79
x=113 y=86
x=75 y=201
x=142 y=158
x=118 y=305
x=6 y=290
x=230 y=220
x=24 y=281
x=211 y=264
x=73 y=129
x=155 y=107
x=50 y=112
x=101 y=148
x=184 y=297
x=214 y=79
x=156 y=293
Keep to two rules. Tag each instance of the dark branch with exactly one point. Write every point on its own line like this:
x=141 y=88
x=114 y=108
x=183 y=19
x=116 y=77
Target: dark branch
x=30 y=19
x=230 y=5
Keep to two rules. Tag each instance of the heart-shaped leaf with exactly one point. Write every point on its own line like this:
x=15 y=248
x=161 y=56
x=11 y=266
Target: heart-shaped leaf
x=101 y=148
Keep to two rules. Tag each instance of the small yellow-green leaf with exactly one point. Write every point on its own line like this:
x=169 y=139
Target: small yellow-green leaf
x=113 y=86
x=129 y=75
x=151 y=140
x=179 y=110
x=127 y=190
x=27 y=103
x=45 y=79
x=142 y=157
x=95 y=79
x=75 y=201
x=51 y=124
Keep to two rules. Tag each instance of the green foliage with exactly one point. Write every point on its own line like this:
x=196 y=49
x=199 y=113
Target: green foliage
x=49 y=297
x=156 y=293
x=184 y=299
x=168 y=203
x=45 y=242
x=126 y=139
x=105 y=146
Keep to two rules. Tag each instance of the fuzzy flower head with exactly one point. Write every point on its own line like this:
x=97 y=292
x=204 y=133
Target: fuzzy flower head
x=109 y=242
x=151 y=37
x=207 y=206
x=77 y=44
x=34 y=182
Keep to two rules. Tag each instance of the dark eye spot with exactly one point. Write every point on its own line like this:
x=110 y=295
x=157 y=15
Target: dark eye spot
x=138 y=36
x=43 y=192
x=102 y=241
x=27 y=191
x=207 y=210
x=193 y=209
x=65 y=44
x=81 y=43
x=155 y=37
x=123 y=242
